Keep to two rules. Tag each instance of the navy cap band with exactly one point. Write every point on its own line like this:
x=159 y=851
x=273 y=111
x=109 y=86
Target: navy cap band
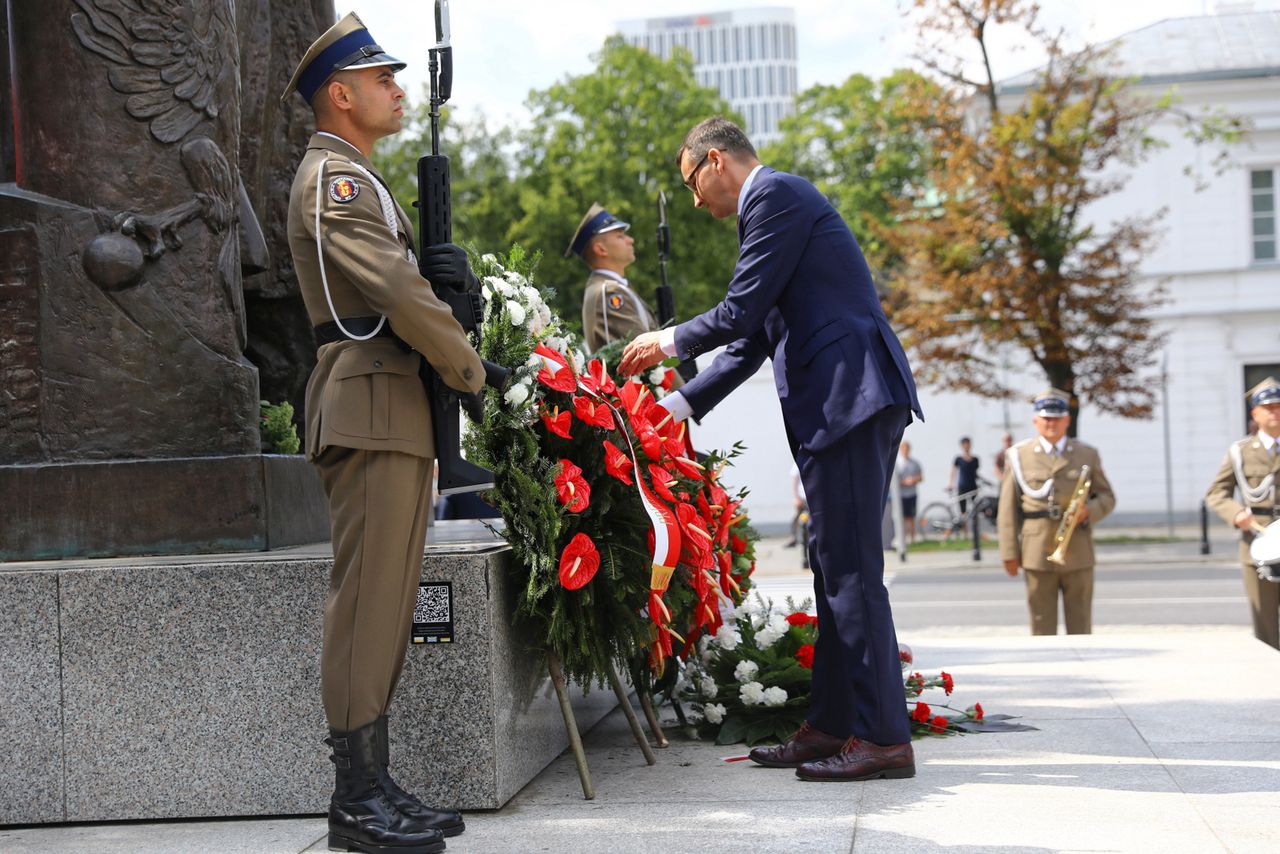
x=1267 y=395
x=590 y=230
x=334 y=58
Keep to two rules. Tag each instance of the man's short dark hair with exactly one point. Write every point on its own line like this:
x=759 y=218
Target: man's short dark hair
x=715 y=132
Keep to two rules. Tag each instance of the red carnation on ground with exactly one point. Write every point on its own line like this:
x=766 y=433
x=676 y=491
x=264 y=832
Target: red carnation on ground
x=948 y=684
x=804 y=655
x=578 y=562
x=617 y=463
x=904 y=655
x=921 y=713
x=593 y=413
x=938 y=724
x=975 y=711
x=572 y=488
x=558 y=422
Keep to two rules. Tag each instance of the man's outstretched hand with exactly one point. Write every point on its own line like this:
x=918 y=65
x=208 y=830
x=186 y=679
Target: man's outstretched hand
x=643 y=352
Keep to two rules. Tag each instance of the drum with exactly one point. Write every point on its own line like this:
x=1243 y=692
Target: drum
x=1265 y=551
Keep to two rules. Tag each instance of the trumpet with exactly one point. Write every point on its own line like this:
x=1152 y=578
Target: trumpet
x=1067 y=526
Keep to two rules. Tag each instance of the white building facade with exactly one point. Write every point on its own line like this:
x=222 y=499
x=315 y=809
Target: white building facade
x=1216 y=260
x=748 y=56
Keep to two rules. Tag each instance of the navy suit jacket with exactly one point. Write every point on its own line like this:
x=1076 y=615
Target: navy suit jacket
x=801 y=294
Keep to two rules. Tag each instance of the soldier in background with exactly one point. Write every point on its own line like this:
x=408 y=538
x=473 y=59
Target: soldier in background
x=1040 y=475
x=610 y=308
x=1251 y=467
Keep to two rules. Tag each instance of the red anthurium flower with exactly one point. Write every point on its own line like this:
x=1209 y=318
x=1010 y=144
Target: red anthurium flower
x=693 y=525
x=689 y=469
x=598 y=379
x=804 y=655
x=676 y=444
x=728 y=585
x=737 y=544
x=618 y=464
x=556 y=374
x=571 y=488
x=662 y=482
x=558 y=422
x=921 y=713
x=636 y=400
x=578 y=562
x=668 y=378
x=948 y=684
x=592 y=413
x=938 y=724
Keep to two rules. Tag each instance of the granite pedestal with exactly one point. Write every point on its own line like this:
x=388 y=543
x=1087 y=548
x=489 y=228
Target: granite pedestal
x=162 y=687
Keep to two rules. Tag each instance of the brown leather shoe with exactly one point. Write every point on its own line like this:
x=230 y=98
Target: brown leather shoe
x=862 y=760
x=806 y=745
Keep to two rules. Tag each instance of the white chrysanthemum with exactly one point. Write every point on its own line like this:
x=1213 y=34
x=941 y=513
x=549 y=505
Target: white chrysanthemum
x=714 y=713
x=544 y=311
x=515 y=278
x=751 y=694
x=516 y=310
x=728 y=638
x=486 y=292
x=517 y=394
x=556 y=343
x=746 y=671
x=531 y=295
x=707 y=686
x=657 y=375
x=775 y=696
x=503 y=288
x=535 y=324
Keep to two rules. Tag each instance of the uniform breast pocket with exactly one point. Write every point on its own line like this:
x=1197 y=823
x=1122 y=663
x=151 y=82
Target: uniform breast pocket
x=376 y=395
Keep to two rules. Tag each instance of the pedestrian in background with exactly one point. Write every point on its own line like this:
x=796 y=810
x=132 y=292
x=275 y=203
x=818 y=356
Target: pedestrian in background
x=1006 y=442
x=910 y=474
x=964 y=479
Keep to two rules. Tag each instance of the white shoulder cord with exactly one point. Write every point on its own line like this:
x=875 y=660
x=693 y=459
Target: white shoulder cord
x=1251 y=495
x=1046 y=488
x=388 y=213
x=604 y=308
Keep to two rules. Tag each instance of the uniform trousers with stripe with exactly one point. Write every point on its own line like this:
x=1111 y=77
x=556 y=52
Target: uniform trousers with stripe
x=857 y=678
x=379 y=504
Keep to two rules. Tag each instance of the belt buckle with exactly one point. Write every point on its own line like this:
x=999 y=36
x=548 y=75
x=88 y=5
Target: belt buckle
x=1055 y=512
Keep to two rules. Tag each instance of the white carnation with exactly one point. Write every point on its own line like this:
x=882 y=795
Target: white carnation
x=515 y=278
x=517 y=394
x=503 y=288
x=657 y=375
x=535 y=324
x=516 y=310
x=746 y=671
x=544 y=311
x=707 y=686
x=778 y=624
x=766 y=638
x=714 y=713
x=775 y=696
x=556 y=343
x=751 y=694
x=486 y=292
x=531 y=295
x=728 y=638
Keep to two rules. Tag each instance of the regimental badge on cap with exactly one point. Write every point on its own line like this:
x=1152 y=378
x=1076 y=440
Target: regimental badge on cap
x=343 y=189
x=1267 y=391
x=1052 y=403
x=597 y=221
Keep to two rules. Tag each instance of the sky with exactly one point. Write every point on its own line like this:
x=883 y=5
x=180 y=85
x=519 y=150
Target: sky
x=504 y=48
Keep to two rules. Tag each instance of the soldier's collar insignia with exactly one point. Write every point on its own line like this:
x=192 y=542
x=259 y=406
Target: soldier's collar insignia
x=615 y=301
x=343 y=189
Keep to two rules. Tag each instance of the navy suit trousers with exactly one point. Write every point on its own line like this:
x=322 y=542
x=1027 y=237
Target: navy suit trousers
x=857 y=680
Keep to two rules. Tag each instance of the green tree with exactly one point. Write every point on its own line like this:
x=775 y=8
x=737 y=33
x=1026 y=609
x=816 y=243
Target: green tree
x=611 y=136
x=862 y=144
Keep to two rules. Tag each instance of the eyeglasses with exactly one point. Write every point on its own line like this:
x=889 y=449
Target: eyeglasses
x=690 y=183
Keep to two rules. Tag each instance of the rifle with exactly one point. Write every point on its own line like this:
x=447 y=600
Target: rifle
x=435 y=227
x=666 y=298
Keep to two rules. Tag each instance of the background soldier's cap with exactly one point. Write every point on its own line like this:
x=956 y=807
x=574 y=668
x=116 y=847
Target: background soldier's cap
x=1052 y=403
x=1267 y=391
x=597 y=221
x=347 y=44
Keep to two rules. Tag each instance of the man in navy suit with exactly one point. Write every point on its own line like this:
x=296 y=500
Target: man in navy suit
x=802 y=295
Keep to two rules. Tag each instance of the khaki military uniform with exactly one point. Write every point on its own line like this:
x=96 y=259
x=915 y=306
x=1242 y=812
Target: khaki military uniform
x=612 y=310
x=368 y=426
x=1028 y=526
x=1257 y=464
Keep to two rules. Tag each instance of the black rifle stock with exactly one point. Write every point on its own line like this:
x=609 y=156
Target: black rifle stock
x=435 y=227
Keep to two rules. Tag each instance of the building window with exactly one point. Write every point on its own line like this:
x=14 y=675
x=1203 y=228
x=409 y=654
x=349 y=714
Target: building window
x=1262 y=195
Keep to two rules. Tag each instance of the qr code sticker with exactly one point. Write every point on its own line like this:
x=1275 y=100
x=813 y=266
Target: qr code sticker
x=432 y=605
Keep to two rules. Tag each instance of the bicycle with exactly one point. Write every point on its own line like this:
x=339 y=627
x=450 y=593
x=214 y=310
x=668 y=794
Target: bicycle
x=944 y=519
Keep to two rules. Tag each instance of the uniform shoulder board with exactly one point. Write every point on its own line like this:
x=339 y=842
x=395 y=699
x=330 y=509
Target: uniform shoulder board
x=1024 y=443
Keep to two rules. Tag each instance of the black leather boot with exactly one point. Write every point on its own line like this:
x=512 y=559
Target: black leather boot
x=447 y=822
x=361 y=815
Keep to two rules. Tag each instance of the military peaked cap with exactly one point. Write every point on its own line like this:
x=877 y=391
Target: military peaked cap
x=1052 y=403
x=597 y=221
x=347 y=44
x=1267 y=391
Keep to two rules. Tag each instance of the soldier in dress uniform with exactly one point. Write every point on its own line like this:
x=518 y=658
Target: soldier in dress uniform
x=1251 y=467
x=1040 y=475
x=368 y=426
x=610 y=308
